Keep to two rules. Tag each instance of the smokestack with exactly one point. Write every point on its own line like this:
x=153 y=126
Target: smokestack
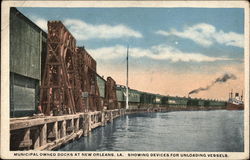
x=236 y=94
x=241 y=97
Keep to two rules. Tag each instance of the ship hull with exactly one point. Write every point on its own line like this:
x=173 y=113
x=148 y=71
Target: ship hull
x=231 y=106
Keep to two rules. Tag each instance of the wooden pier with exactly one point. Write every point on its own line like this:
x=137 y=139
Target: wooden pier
x=50 y=132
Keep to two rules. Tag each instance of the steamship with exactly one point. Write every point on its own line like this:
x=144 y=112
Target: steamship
x=236 y=102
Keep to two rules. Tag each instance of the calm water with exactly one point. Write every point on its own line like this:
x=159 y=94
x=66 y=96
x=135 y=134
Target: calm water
x=206 y=131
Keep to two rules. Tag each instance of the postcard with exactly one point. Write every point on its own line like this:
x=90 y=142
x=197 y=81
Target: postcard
x=125 y=80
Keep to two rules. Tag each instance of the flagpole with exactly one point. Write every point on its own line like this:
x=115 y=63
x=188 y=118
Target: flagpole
x=127 y=107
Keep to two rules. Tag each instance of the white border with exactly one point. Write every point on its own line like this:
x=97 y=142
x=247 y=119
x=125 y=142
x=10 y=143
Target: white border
x=5 y=153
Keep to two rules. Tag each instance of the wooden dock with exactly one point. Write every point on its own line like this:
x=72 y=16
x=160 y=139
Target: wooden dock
x=50 y=132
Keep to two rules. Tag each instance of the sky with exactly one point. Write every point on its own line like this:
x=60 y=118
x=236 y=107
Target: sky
x=172 y=51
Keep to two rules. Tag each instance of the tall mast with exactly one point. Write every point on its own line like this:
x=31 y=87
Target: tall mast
x=127 y=82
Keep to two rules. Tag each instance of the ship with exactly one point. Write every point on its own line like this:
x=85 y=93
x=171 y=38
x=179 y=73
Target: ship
x=236 y=102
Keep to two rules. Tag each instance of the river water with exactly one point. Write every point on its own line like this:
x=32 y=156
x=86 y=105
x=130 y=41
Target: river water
x=205 y=131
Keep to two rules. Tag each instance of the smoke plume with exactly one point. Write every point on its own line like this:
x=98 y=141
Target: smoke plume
x=224 y=78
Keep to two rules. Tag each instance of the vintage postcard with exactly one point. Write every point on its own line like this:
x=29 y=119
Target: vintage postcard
x=125 y=80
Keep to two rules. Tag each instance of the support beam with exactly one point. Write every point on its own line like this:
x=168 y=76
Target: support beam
x=76 y=124
x=36 y=138
x=55 y=130
x=26 y=142
x=63 y=129
x=43 y=134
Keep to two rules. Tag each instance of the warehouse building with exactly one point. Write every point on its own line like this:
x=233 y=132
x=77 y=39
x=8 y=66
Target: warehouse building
x=27 y=59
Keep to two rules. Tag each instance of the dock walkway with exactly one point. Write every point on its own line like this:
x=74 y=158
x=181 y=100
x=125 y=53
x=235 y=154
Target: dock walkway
x=50 y=132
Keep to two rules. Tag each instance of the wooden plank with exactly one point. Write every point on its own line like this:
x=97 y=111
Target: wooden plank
x=59 y=142
x=95 y=125
x=79 y=133
x=28 y=123
x=18 y=124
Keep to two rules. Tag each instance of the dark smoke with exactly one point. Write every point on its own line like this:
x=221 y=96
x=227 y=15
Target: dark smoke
x=221 y=79
x=225 y=77
x=199 y=89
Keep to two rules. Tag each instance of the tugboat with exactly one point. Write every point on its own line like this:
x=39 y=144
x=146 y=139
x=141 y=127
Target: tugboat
x=236 y=102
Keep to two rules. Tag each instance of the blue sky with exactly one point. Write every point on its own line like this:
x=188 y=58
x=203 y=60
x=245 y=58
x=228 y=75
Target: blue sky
x=176 y=40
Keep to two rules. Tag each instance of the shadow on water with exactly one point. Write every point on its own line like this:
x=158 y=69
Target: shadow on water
x=206 y=131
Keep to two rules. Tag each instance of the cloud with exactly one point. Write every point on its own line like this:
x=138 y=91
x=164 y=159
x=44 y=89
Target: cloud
x=41 y=22
x=159 y=52
x=84 y=31
x=108 y=52
x=206 y=35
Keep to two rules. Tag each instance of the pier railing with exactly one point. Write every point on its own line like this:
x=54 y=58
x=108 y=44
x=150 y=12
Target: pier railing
x=50 y=132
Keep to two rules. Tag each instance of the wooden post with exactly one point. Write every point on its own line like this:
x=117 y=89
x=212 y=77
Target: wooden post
x=27 y=142
x=55 y=130
x=43 y=135
x=89 y=122
x=36 y=138
x=72 y=125
x=86 y=124
x=97 y=118
x=92 y=120
x=81 y=122
x=76 y=123
x=111 y=116
x=87 y=104
x=63 y=129
x=103 y=118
